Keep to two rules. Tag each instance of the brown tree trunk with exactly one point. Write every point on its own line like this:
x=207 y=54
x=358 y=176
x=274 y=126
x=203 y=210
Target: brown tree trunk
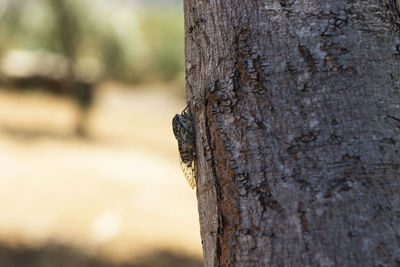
x=296 y=107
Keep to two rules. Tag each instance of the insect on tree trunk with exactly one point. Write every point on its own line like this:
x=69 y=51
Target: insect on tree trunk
x=296 y=110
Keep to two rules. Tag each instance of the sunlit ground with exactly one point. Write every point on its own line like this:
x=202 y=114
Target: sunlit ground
x=117 y=195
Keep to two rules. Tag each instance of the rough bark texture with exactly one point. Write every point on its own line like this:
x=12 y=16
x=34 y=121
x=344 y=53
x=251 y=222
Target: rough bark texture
x=297 y=117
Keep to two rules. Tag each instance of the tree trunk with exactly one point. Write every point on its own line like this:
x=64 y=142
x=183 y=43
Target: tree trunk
x=296 y=108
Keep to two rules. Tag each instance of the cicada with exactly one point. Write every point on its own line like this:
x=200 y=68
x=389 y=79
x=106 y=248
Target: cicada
x=182 y=126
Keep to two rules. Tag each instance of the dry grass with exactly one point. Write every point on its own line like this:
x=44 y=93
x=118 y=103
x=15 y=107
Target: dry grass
x=119 y=194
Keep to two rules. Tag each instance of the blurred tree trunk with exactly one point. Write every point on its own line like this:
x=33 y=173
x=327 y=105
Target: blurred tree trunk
x=297 y=116
x=68 y=32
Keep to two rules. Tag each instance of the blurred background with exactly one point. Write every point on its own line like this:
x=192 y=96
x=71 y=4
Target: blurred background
x=89 y=166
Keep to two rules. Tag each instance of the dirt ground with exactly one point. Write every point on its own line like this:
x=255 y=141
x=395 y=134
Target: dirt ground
x=118 y=195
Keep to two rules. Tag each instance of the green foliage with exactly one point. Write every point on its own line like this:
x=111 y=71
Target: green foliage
x=127 y=46
x=163 y=32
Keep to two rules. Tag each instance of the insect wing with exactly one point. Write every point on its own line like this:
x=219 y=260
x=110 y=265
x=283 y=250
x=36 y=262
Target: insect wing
x=189 y=173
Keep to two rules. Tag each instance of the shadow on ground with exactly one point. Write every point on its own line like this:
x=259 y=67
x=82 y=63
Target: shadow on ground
x=52 y=255
x=33 y=134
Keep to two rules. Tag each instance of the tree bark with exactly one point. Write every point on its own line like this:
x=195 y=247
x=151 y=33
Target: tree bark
x=296 y=108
